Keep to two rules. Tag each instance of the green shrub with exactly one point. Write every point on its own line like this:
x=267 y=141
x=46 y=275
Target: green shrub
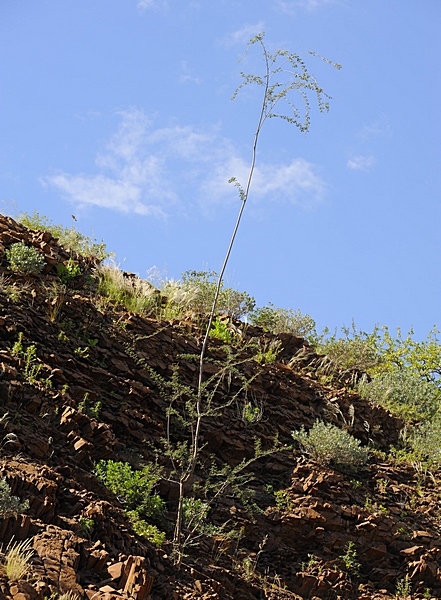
x=10 y=505
x=356 y=350
x=425 y=442
x=134 y=488
x=67 y=272
x=330 y=445
x=282 y=320
x=135 y=294
x=404 y=393
x=267 y=351
x=349 y=559
x=141 y=527
x=221 y=331
x=25 y=259
x=197 y=290
x=68 y=237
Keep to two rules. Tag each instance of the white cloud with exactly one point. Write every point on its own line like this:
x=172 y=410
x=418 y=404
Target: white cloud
x=187 y=75
x=244 y=34
x=290 y=7
x=361 y=163
x=379 y=127
x=296 y=182
x=149 y=4
x=150 y=171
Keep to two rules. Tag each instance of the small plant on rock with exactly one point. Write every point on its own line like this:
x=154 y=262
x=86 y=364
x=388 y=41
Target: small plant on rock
x=10 y=505
x=221 y=331
x=68 y=271
x=330 y=445
x=25 y=259
x=349 y=559
x=404 y=588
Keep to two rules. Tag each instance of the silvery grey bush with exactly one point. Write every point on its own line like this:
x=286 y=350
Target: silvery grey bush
x=329 y=445
x=10 y=505
x=25 y=259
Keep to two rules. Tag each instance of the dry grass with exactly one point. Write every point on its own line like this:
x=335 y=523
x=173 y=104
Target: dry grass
x=17 y=559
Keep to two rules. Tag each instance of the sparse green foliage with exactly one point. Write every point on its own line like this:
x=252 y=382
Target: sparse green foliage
x=10 y=505
x=404 y=588
x=144 y=529
x=404 y=393
x=267 y=351
x=200 y=289
x=68 y=271
x=251 y=413
x=86 y=526
x=282 y=320
x=349 y=559
x=282 y=498
x=31 y=365
x=25 y=259
x=330 y=445
x=422 y=358
x=69 y=237
x=356 y=350
x=86 y=406
x=135 y=294
x=425 y=442
x=221 y=331
x=134 y=488
x=285 y=73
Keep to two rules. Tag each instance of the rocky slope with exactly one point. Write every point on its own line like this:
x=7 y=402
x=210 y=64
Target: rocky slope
x=293 y=544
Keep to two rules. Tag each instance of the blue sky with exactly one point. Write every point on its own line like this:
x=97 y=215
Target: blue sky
x=120 y=112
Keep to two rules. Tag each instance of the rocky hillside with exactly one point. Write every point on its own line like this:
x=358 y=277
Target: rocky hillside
x=83 y=381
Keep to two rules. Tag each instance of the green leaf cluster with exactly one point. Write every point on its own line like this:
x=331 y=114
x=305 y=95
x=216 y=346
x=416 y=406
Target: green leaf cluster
x=25 y=259
x=135 y=489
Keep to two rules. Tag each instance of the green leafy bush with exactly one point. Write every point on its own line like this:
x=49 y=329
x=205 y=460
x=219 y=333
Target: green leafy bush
x=10 y=505
x=221 y=331
x=282 y=320
x=67 y=272
x=141 y=527
x=69 y=237
x=425 y=442
x=330 y=445
x=25 y=259
x=404 y=393
x=134 y=488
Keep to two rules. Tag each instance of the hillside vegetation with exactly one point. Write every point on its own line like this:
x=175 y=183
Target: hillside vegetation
x=317 y=471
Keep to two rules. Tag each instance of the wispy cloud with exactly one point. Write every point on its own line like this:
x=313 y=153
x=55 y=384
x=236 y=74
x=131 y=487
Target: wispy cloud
x=379 y=127
x=149 y=4
x=244 y=34
x=296 y=182
x=291 y=7
x=361 y=163
x=187 y=75
x=153 y=171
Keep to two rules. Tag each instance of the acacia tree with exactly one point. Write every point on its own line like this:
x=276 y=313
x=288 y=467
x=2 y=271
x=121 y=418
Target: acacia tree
x=284 y=75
